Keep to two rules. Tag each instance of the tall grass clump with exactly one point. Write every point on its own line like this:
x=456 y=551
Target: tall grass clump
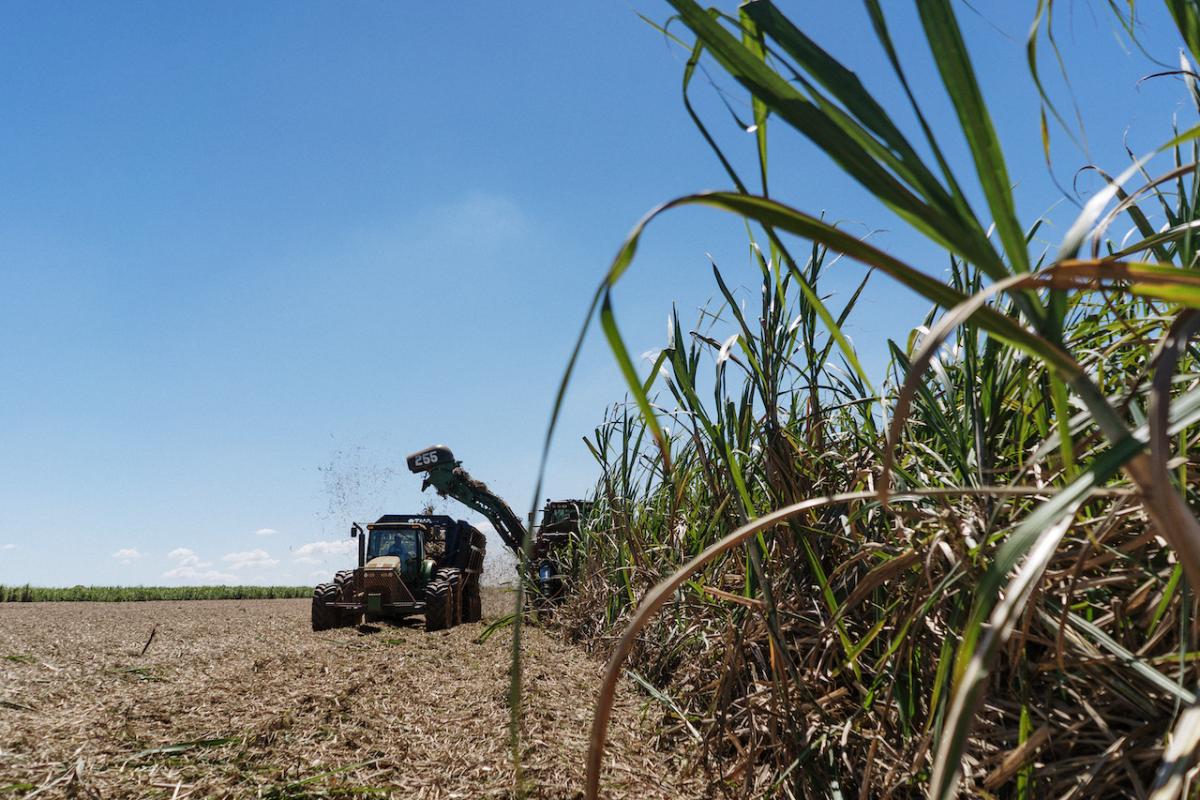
x=976 y=577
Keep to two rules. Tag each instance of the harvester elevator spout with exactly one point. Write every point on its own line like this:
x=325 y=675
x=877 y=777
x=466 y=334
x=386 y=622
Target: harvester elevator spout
x=449 y=479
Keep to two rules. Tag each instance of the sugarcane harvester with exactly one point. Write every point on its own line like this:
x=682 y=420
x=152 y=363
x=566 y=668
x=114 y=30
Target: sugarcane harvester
x=560 y=518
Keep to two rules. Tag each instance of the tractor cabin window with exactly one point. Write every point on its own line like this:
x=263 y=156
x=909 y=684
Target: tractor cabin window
x=402 y=543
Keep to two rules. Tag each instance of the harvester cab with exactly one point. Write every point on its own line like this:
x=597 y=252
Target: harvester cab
x=561 y=521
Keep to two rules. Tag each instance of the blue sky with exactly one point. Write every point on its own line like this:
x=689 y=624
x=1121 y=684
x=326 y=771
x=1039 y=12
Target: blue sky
x=252 y=254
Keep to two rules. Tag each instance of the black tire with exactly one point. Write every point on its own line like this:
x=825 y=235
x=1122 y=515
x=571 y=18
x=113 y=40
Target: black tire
x=472 y=604
x=344 y=581
x=453 y=578
x=324 y=616
x=472 y=601
x=456 y=590
x=438 y=600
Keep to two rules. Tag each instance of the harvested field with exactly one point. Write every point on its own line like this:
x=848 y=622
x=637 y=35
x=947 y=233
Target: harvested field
x=240 y=699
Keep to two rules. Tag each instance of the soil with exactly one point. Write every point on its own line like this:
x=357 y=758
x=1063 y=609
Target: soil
x=239 y=698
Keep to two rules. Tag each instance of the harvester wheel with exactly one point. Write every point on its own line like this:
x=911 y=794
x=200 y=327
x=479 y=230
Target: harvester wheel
x=325 y=616
x=438 y=605
x=473 y=604
x=453 y=579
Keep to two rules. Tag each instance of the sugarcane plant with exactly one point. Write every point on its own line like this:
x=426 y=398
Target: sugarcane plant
x=976 y=576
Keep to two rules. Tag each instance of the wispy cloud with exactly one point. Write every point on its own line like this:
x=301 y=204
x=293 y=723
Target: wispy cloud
x=496 y=222
x=265 y=532
x=317 y=552
x=190 y=567
x=249 y=559
x=186 y=557
x=127 y=555
x=199 y=575
x=8 y=547
x=494 y=216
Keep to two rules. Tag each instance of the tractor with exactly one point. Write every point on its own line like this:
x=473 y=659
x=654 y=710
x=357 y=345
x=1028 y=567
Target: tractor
x=430 y=564
x=407 y=564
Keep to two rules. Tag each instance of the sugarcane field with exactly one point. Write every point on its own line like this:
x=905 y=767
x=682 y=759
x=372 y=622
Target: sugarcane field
x=344 y=452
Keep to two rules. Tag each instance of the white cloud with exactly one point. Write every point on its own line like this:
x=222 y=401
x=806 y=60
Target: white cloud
x=322 y=552
x=189 y=573
x=333 y=547
x=249 y=559
x=8 y=547
x=191 y=568
x=186 y=558
x=265 y=532
x=127 y=555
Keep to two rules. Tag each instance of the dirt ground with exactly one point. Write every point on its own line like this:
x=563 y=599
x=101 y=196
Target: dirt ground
x=241 y=699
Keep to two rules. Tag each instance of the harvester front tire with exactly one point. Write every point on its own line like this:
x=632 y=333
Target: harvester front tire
x=325 y=616
x=438 y=605
x=344 y=581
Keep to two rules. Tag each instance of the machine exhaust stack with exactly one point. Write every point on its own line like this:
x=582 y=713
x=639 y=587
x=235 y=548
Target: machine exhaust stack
x=356 y=531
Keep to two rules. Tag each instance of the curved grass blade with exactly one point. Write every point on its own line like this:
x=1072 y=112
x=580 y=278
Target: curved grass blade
x=1187 y=19
x=950 y=53
x=858 y=154
x=849 y=90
